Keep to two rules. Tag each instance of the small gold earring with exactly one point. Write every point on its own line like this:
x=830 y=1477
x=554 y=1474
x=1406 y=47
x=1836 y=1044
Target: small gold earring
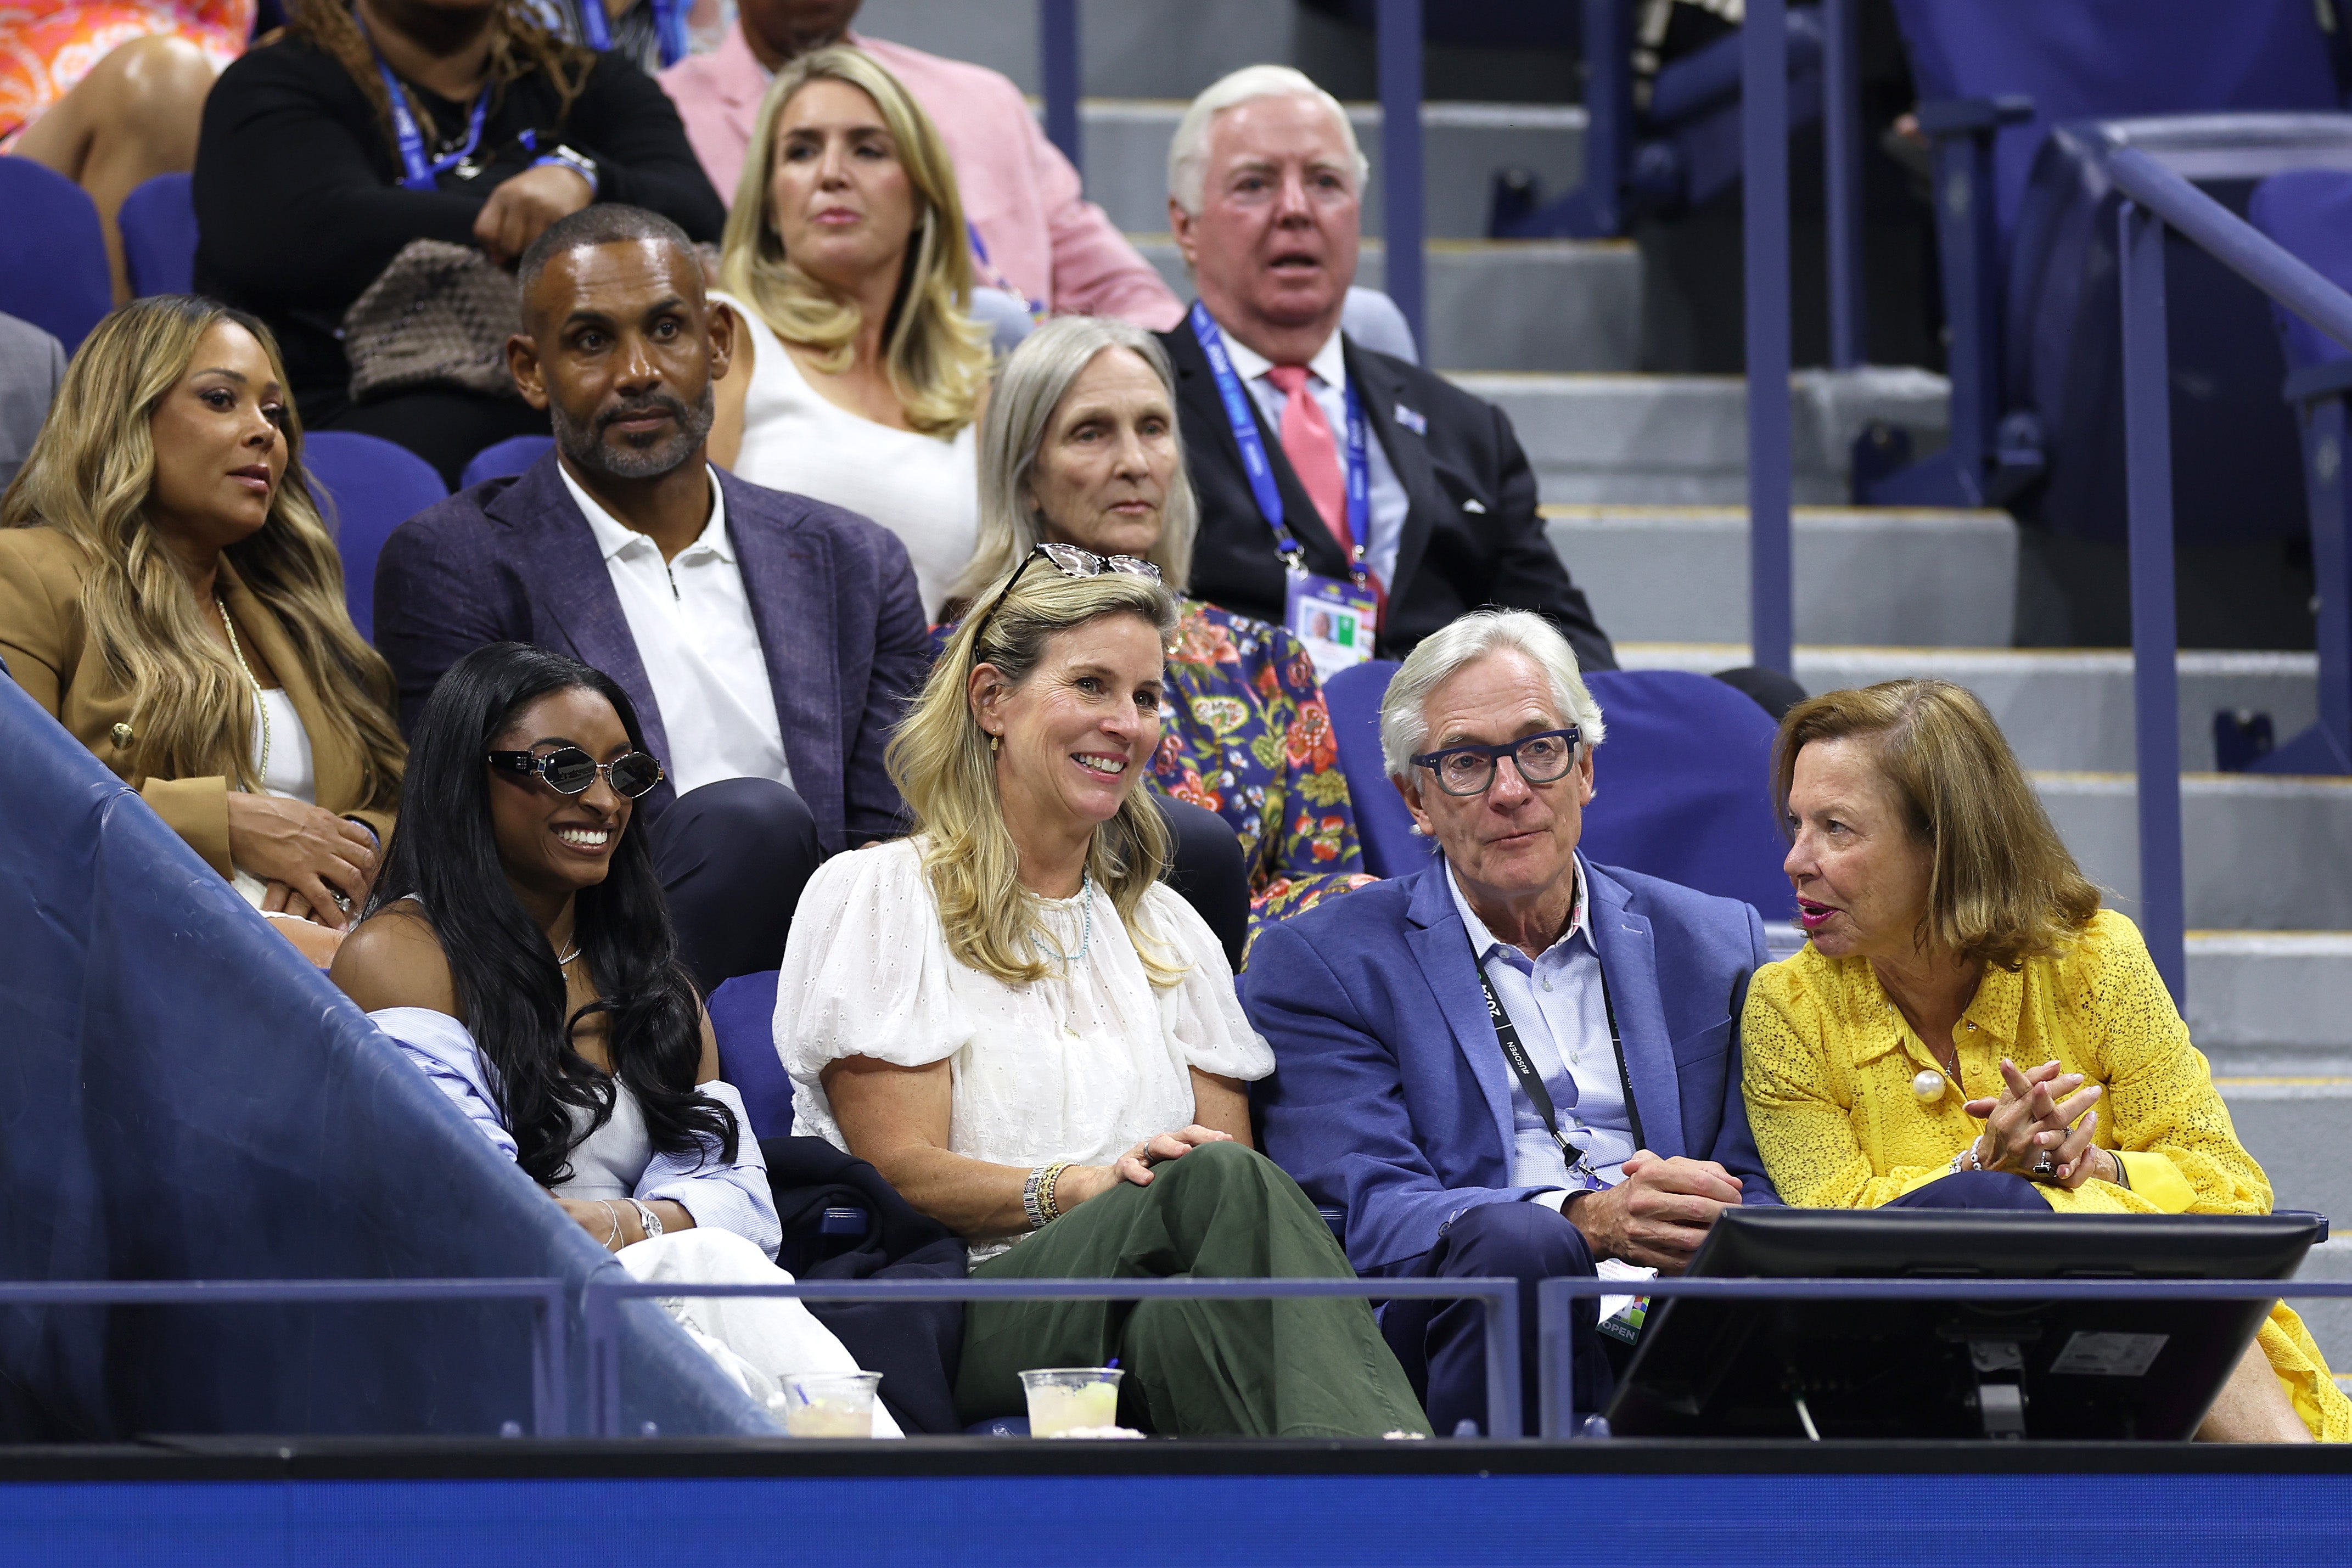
x=994 y=743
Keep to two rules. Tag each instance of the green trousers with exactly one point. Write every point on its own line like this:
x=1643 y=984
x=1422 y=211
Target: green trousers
x=1300 y=1368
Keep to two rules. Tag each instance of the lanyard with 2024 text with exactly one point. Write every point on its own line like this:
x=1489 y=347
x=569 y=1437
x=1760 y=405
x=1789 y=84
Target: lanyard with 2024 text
x=1514 y=1051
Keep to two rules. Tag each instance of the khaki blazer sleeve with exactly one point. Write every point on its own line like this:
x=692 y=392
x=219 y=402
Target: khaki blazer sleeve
x=41 y=636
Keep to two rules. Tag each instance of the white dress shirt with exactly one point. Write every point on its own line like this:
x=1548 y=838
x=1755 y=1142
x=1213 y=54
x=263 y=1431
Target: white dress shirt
x=691 y=620
x=1557 y=1003
x=1327 y=383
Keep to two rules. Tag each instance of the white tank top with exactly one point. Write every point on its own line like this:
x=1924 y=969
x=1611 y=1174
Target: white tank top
x=609 y=1161
x=921 y=488
x=291 y=772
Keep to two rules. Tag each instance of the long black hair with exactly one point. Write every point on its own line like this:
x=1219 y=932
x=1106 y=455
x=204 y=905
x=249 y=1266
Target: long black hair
x=445 y=855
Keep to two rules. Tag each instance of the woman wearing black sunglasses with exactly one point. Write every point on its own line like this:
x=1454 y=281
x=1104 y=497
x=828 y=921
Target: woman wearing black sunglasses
x=517 y=947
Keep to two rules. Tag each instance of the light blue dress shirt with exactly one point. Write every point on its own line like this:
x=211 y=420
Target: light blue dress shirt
x=1557 y=1003
x=1328 y=384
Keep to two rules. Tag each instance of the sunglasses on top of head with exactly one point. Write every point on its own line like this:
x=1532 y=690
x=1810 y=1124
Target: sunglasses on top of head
x=1071 y=562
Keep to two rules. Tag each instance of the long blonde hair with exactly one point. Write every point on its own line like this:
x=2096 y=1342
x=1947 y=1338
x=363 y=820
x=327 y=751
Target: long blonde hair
x=1030 y=385
x=2001 y=886
x=935 y=356
x=940 y=760
x=89 y=476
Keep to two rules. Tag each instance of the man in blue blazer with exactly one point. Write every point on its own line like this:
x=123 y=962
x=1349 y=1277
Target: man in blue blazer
x=1514 y=1062
x=768 y=640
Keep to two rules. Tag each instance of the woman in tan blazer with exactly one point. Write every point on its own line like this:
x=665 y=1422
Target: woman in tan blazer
x=168 y=592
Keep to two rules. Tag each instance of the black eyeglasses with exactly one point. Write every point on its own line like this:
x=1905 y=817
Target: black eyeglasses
x=1541 y=758
x=1071 y=562
x=569 y=771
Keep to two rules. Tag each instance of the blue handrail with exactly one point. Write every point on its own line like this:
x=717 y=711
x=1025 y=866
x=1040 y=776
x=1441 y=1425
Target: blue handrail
x=1057 y=50
x=1764 y=129
x=1399 y=44
x=2159 y=197
x=550 y=1417
x=600 y=1308
x=1556 y=1362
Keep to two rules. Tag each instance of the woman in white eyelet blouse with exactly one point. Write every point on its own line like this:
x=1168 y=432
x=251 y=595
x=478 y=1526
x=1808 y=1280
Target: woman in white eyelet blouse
x=1056 y=1068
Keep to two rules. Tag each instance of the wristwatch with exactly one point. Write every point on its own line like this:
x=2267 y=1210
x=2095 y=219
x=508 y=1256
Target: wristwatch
x=578 y=162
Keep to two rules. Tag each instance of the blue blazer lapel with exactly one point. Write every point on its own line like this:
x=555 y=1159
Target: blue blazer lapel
x=1629 y=967
x=570 y=583
x=790 y=583
x=1441 y=947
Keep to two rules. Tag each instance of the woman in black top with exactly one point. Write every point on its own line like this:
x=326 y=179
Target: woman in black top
x=304 y=193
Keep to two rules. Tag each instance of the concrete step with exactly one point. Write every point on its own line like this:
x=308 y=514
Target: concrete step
x=2065 y=710
x=2262 y=857
x=1682 y=441
x=1863 y=575
x=2261 y=853
x=1512 y=305
x=1124 y=143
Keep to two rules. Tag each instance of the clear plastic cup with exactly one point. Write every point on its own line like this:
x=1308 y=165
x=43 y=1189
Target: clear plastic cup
x=1071 y=1398
x=827 y=1404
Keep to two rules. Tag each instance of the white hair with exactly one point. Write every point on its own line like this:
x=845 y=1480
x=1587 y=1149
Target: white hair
x=1188 y=152
x=1404 y=723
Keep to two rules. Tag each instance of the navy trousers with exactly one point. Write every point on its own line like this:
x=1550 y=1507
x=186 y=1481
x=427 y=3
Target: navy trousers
x=1443 y=1345
x=732 y=857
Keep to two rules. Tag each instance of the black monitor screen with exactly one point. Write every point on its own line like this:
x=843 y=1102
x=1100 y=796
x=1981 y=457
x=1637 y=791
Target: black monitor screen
x=2136 y=1368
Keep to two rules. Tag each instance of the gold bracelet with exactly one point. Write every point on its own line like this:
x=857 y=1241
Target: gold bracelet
x=1049 y=1194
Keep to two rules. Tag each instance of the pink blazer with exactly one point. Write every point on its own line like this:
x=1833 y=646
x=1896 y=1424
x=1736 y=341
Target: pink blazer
x=1044 y=237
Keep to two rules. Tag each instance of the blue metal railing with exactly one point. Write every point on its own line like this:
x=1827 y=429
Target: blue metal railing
x=1058 y=48
x=1555 y=1360
x=1401 y=180
x=2158 y=198
x=1764 y=129
x=550 y=1417
x=600 y=1303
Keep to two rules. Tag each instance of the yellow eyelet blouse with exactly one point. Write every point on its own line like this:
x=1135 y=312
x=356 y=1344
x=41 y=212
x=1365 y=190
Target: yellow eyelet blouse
x=1830 y=1070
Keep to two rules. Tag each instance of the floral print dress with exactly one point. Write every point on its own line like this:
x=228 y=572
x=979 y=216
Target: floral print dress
x=1244 y=733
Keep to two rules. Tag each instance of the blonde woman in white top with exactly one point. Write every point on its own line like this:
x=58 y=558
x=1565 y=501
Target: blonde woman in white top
x=1038 y=1044
x=858 y=376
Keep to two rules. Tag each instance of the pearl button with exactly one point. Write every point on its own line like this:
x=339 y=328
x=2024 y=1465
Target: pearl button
x=1928 y=1086
x=1547 y=985
x=1574 y=1057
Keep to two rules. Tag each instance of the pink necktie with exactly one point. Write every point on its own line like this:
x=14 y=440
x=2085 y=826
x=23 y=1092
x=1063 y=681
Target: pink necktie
x=1314 y=455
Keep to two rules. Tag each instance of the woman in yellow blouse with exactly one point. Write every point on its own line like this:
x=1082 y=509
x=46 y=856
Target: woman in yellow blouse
x=168 y=592
x=1953 y=938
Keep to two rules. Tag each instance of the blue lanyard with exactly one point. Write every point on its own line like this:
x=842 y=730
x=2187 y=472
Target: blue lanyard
x=669 y=27
x=423 y=173
x=979 y=250
x=1260 y=469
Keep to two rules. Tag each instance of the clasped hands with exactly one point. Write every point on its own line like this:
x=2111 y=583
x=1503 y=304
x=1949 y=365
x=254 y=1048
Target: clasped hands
x=1658 y=1214
x=2028 y=1122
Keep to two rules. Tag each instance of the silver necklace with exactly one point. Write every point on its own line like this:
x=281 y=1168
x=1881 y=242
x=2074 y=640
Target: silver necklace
x=564 y=960
x=229 y=626
x=1085 y=930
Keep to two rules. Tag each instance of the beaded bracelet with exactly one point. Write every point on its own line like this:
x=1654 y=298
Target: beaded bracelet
x=1049 y=1192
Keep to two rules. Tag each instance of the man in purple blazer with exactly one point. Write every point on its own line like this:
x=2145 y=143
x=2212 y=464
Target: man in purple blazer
x=768 y=640
x=1514 y=1063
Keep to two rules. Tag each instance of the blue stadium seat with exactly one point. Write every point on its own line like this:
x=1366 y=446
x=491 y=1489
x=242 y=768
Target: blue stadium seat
x=504 y=460
x=53 y=270
x=2309 y=212
x=1682 y=786
x=367 y=487
x=1383 y=824
x=1683 y=783
x=159 y=236
x=1675 y=151
x=2023 y=103
x=743 y=1016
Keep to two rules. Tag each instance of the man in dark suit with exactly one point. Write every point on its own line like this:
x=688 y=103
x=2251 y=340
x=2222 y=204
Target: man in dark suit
x=768 y=640
x=1264 y=179
x=1605 y=1131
